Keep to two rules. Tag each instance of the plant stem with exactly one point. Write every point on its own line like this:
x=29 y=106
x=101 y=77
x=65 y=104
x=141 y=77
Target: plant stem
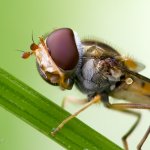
x=44 y=115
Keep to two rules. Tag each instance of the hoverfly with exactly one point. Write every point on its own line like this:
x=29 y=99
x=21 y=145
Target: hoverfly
x=96 y=69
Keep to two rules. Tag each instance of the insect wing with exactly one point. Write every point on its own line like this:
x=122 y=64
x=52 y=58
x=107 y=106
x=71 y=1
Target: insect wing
x=136 y=92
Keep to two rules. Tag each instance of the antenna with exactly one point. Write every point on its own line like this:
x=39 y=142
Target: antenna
x=32 y=37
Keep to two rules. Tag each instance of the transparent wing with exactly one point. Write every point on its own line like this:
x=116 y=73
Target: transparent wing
x=137 y=92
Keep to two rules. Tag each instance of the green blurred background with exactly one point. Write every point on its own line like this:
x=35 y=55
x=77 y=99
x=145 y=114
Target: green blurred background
x=124 y=25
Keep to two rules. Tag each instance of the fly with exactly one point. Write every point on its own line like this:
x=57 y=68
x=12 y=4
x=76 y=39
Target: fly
x=97 y=70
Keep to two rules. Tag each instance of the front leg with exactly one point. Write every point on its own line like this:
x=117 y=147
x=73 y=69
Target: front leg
x=73 y=100
x=95 y=99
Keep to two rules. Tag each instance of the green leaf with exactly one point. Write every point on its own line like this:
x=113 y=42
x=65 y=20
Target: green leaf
x=44 y=115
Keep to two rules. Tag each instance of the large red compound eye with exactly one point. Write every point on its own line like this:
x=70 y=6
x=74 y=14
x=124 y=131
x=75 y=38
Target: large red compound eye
x=63 y=49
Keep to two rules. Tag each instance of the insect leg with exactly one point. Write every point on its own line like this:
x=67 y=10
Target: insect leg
x=73 y=100
x=129 y=132
x=143 y=139
x=94 y=100
x=122 y=107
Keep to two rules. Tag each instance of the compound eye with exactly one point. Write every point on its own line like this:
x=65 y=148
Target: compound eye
x=62 y=48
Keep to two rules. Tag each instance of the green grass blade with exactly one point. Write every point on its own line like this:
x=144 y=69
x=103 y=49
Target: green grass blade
x=44 y=115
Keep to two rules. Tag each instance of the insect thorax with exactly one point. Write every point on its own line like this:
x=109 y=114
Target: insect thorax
x=98 y=75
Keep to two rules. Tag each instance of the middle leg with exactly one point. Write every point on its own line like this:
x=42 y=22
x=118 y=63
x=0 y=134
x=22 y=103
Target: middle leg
x=130 y=112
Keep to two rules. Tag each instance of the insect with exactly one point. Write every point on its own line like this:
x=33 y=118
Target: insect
x=96 y=69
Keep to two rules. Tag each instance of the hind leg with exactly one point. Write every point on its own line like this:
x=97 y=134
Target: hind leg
x=130 y=112
x=143 y=139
